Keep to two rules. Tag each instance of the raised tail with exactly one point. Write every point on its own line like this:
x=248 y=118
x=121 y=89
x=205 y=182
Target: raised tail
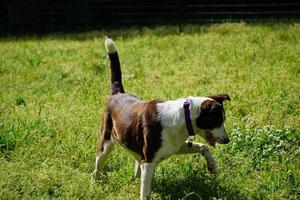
x=116 y=75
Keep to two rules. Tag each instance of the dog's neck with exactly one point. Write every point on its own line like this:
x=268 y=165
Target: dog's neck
x=171 y=113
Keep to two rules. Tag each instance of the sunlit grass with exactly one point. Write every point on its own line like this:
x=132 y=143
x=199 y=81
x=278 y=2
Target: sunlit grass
x=53 y=90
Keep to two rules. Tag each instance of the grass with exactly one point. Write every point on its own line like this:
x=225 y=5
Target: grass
x=53 y=90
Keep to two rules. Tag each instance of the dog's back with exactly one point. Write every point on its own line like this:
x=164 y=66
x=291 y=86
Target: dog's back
x=134 y=122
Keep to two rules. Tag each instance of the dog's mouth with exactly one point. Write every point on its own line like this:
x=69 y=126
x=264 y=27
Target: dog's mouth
x=209 y=138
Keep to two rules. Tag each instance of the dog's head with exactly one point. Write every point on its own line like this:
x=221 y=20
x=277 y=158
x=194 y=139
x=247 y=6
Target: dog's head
x=211 y=120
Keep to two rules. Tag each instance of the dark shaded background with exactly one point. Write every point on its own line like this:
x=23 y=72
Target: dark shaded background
x=43 y=16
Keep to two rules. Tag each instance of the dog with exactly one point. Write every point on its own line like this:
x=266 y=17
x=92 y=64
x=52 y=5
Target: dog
x=155 y=130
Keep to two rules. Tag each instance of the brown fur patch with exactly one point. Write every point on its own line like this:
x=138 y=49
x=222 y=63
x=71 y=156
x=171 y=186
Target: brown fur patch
x=211 y=115
x=220 y=98
x=105 y=131
x=134 y=124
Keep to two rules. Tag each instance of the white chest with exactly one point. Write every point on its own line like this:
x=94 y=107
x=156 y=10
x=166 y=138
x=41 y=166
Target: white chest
x=172 y=141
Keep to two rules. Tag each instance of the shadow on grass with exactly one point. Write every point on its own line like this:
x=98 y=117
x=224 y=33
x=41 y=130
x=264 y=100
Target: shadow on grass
x=195 y=185
x=91 y=34
x=160 y=30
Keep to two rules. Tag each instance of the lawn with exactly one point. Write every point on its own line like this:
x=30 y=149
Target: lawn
x=53 y=90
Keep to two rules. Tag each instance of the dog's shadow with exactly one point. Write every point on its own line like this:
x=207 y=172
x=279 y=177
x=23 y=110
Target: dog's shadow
x=193 y=185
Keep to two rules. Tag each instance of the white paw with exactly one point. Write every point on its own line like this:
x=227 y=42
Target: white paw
x=95 y=175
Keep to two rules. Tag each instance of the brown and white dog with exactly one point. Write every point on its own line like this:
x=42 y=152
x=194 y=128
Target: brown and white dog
x=155 y=130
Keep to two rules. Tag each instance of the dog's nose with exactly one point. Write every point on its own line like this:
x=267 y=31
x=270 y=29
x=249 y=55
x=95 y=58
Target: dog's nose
x=226 y=140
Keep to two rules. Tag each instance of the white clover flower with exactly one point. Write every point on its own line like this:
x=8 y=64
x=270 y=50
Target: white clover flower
x=297 y=152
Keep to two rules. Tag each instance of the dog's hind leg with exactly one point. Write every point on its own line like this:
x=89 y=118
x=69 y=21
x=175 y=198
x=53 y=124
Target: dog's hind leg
x=146 y=179
x=102 y=157
x=105 y=146
x=193 y=147
x=137 y=169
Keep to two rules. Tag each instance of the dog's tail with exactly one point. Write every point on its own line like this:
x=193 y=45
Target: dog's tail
x=116 y=75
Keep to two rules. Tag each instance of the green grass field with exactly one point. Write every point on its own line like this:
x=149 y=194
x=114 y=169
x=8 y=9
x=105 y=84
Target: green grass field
x=53 y=90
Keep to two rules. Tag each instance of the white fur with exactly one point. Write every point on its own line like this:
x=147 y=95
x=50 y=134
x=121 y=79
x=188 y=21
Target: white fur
x=194 y=147
x=211 y=163
x=219 y=133
x=137 y=169
x=146 y=179
x=102 y=157
x=171 y=112
x=110 y=45
x=171 y=116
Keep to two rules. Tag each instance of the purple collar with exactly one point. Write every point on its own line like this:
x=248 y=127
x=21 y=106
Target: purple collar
x=187 y=117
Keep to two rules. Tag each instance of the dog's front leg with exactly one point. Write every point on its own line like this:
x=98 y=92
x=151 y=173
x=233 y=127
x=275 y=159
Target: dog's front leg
x=146 y=179
x=193 y=147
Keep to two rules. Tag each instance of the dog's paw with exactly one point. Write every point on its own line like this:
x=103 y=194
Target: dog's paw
x=95 y=175
x=212 y=166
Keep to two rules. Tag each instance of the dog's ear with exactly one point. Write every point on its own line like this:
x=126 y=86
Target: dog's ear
x=220 y=98
x=209 y=105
